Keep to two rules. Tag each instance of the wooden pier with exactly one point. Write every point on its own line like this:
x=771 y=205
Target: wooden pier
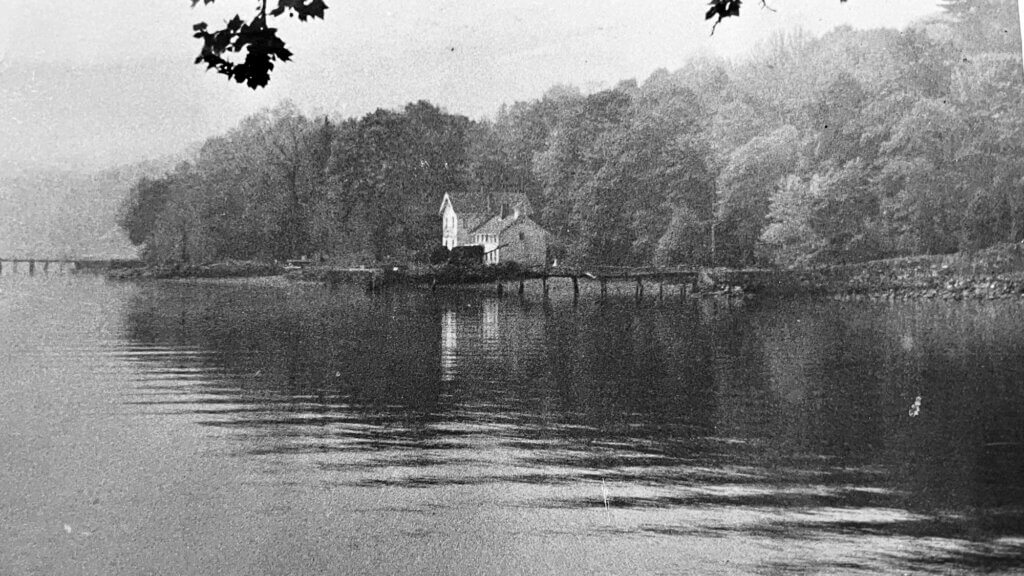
x=62 y=265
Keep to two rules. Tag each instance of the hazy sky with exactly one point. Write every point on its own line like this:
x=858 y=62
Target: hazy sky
x=94 y=83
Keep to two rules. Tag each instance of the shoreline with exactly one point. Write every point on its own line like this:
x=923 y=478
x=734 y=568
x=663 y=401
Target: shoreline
x=993 y=273
x=216 y=270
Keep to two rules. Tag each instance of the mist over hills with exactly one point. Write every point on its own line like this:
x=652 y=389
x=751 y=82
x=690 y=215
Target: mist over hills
x=52 y=213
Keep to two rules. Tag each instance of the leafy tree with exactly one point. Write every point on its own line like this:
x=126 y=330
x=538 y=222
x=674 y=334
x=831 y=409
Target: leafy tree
x=923 y=179
x=835 y=116
x=986 y=25
x=295 y=152
x=790 y=237
x=845 y=211
x=145 y=201
x=745 y=187
x=855 y=145
x=393 y=168
x=988 y=92
x=685 y=240
x=568 y=164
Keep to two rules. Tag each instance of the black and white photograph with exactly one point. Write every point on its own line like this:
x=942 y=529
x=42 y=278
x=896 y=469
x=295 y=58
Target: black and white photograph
x=511 y=287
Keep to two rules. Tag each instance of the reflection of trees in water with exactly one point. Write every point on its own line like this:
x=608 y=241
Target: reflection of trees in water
x=298 y=350
x=794 y=406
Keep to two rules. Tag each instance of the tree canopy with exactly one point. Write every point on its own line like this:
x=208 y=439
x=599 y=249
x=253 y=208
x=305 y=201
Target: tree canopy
x=853 y=146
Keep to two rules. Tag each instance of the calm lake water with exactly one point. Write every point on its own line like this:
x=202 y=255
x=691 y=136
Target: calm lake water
x=263 y=427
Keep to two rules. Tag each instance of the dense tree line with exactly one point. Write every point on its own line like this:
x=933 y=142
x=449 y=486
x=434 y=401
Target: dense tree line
x=853 y=146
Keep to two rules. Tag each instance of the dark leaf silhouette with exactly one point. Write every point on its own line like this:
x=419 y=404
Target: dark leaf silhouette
x=260 y=42
x=304 y=9
x=263 y=46
x=723 y=9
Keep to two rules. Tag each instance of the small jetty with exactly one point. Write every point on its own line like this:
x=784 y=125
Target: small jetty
x=33 y=264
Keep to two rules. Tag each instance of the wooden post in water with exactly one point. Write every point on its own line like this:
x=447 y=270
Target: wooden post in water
x=639 y=289
x=31 y=267
x=575 y=287
x=661 y=291
x=501 y=289
x=46 y=266
x=604 y=288
x=1 y=266
x=522 y=287
x=544 y=282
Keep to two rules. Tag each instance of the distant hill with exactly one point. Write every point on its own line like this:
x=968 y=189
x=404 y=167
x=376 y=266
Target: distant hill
x=55 y=213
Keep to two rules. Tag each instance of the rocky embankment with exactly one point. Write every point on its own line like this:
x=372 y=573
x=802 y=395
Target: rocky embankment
x=989 y=274
x=993 y=273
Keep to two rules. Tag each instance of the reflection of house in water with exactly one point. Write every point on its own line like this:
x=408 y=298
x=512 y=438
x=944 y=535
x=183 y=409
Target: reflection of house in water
x=449 y=345
x=490 y=325
x=486 y=335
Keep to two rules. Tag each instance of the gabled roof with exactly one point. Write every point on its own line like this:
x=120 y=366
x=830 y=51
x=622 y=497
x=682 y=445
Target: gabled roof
x=466 y=205
x=446 y=201
x=471 y=220
x=484 y=223
x=495 y=225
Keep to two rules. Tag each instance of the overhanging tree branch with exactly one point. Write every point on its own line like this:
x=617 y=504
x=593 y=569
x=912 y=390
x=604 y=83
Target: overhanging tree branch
x=222 y=49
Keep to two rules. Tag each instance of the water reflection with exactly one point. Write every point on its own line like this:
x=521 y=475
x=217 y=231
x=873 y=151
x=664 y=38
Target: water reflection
x=449 y=344
x=779 y=422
